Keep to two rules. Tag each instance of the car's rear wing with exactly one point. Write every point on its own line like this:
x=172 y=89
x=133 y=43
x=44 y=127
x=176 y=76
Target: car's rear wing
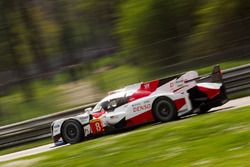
x=179 y=82
x=216 y=76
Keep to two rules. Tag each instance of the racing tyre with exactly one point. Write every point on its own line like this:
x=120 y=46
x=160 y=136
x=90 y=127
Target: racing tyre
x=72 y=132
x=164 y=110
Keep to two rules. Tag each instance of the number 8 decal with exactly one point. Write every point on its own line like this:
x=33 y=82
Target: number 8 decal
x=98 y=127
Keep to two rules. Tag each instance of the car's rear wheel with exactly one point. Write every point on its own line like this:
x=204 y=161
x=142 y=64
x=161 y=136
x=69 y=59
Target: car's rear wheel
x=72 y=132
x=164 y=110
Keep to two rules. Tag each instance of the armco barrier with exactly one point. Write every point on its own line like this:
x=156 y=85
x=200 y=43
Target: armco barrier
x=236 y=79
x=34 y=129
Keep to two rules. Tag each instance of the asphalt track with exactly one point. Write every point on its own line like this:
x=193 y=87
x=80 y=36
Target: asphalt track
x=232 y=104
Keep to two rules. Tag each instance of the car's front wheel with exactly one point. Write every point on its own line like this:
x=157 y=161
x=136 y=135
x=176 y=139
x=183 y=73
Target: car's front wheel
x=164 y=110
x=72 y=131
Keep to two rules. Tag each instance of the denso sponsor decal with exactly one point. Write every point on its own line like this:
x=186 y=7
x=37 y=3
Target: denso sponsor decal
x=143 y=107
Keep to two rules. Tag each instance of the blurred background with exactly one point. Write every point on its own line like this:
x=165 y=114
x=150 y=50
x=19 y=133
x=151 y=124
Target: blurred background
x=55 y=55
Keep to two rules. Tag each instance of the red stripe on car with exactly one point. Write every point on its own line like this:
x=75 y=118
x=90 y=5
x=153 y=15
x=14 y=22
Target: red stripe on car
x=139 y=119
x=211 y=93
x=145 y=90
x=98 y=114
x=179 y=103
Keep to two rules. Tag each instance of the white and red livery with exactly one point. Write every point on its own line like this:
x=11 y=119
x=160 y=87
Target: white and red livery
x=160 y=100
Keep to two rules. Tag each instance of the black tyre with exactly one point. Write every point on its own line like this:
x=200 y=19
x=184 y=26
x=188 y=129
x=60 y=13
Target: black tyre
x=72 y=132
x=164 y=110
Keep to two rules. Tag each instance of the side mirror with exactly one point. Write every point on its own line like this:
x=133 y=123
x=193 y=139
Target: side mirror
x=87 y=110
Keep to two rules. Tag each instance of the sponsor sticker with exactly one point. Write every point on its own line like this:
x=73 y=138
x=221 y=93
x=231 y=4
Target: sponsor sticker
x=146 y=85
x=84 y=118
x=143 y=107
x=86 y=130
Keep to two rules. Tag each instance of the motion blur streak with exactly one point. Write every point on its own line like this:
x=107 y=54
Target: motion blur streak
x=60 y=54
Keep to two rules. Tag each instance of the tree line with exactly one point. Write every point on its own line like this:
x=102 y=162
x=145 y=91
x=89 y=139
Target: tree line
x=39 y=37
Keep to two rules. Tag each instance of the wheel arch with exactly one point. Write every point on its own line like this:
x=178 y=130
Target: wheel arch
x=61 y=128
x=167 y=98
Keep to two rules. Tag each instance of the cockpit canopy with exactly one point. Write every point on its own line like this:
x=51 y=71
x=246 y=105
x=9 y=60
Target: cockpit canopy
x=110 y=105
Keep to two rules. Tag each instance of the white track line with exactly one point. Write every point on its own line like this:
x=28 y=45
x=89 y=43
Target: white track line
x=28 y=152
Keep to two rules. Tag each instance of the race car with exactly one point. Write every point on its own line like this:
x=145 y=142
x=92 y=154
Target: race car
x=159 y=100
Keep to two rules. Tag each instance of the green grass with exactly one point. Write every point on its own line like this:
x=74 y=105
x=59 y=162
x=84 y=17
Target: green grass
x=25 y=146
x=218 y=139
x=239 y=94
x=14 y=108
x=49 y=97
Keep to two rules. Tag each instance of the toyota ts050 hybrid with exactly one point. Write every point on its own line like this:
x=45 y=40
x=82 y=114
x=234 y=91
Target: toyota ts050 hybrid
x=160 y=100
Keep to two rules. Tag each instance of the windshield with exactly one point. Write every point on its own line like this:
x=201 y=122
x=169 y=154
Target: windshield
x=110 y=105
